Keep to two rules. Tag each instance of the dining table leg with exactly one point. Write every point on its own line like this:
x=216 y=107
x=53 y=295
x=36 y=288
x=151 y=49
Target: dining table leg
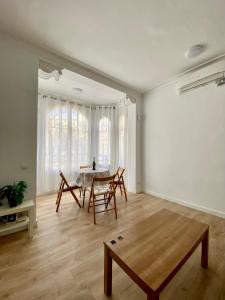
x=84 y=190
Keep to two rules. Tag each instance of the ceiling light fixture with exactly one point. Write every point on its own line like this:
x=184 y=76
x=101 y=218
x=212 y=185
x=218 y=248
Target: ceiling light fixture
x=194 y=51
x=77 y=90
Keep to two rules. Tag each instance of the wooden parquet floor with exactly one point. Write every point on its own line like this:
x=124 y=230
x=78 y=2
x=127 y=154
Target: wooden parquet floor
x=64 y=260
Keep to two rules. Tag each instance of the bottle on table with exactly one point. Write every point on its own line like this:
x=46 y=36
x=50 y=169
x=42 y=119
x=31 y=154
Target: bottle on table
x=94 y=164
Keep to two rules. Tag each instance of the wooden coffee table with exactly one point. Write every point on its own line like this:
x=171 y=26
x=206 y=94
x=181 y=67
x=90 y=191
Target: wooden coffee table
x=152 y=251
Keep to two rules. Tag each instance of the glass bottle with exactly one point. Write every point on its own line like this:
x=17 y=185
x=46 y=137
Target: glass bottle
x=94 y=164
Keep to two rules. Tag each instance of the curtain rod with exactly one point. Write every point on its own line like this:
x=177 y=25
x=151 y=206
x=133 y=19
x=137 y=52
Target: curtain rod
x=94 y=106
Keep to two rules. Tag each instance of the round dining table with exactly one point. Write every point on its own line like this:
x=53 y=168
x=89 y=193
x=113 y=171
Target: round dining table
x=84 y=177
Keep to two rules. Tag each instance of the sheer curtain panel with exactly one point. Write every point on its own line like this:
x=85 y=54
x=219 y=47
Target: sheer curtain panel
x=105 y=136
x=63 y=140
x=70 y=135
x=123 y=136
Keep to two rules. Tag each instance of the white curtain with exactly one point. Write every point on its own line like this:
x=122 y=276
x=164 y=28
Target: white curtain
x=63 y=140
x=123 y=136
x=123 y=139
x=105 y=136
x=70 y=135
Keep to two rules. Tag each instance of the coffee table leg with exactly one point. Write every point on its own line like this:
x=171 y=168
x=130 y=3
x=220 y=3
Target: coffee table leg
x=205 y=250
x=153 y=296
x=107 y=272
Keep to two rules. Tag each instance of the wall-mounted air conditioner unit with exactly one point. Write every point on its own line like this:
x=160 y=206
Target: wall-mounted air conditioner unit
x=217 y=78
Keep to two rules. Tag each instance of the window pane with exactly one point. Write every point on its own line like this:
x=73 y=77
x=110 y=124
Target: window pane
x=67 y=139
x=57 y=135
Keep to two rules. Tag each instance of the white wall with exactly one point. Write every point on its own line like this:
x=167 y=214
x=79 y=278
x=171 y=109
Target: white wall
x=184 y=146
x=138 y=144
x=18 y=114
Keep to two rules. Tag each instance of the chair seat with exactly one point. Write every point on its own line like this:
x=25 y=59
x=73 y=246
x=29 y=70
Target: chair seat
x=102 y=190
x=118 y=181
x=73 y=183
x=73 y=186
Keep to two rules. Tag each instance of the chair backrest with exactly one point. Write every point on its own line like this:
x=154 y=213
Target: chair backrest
x=63 y=178
x=104 y=180
x=119 y=173
x=84 y=166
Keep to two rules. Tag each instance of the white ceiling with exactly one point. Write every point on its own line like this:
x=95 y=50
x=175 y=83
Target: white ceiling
x=141 y=43
x=93 y=92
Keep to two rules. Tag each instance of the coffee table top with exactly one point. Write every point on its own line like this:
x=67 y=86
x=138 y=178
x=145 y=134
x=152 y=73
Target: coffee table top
x=155 y=249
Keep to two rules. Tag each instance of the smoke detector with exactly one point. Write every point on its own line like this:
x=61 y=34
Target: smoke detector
x=194 y=51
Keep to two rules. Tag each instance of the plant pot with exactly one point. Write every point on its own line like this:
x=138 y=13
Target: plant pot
x=12 y=202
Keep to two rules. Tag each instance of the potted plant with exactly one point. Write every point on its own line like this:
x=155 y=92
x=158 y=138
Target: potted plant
x=14 y=193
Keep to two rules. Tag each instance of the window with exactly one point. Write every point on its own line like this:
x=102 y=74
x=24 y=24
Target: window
x=104 y=142
x=79 y=139
x=67 y=139
x=56 y=138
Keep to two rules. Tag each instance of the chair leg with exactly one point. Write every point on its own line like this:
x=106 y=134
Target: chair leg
x=114 y=200
x=83 y=203
x=125 y=191
x=121 y=190
x=59 y=192
x=94 y=209
x=89 y=202
x=75 y=197
x=84 y=195
x=59 y=200
x=105 y=201
x=110 y=197
x=108 y=200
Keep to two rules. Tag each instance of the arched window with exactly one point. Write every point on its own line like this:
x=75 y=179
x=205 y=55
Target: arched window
x=104 y=142
x=56 y=134
x=63 y=140
x=67 y=138
x=79 y=139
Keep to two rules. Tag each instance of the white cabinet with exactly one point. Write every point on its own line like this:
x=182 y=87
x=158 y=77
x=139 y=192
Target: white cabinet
x=28 y=222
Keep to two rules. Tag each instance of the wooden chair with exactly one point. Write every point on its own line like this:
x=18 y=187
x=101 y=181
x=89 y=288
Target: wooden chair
x=119 y=181
x=83 y=189
x=104 y=188
x=66 y=187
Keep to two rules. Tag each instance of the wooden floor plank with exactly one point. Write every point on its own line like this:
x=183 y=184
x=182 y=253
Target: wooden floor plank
x=64 y=260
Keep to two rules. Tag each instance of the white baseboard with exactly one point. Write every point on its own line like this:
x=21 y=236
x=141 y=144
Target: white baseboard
x=181 y=202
